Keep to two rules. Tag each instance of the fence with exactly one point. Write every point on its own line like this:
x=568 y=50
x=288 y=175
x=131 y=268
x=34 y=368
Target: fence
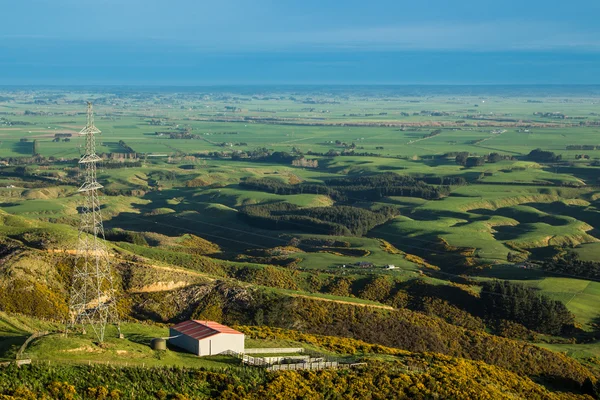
x=280 y=364
x=29 y=340
x=300 y=366
x=17 y=362
x=286 y=359
x=246 y=359
x=275 y=350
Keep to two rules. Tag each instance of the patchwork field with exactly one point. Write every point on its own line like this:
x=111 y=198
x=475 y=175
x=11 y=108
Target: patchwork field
x=221 y=203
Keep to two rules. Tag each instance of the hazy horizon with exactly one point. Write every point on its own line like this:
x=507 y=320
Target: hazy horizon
x=321 y=68
x=266 y=42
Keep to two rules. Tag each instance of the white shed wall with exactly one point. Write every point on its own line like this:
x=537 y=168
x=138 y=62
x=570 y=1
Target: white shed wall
x=221 y=342
x=184 y=342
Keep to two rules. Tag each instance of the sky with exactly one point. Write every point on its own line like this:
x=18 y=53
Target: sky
x=196 y=42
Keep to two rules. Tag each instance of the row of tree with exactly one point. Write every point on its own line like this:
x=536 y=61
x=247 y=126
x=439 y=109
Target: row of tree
x=582 y=147
x=570 y=264
x=335 y=220
x=466 y=160
x=126 y=147
x=361 y=188
x=525 y=305
x=543 y=156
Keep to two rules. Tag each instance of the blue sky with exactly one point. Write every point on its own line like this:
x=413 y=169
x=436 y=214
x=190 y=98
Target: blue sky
x=264 y=41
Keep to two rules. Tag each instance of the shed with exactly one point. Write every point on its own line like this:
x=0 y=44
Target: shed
x=206 y=338
x=364 y=264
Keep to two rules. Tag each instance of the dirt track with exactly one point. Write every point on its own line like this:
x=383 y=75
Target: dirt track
x=344 y=302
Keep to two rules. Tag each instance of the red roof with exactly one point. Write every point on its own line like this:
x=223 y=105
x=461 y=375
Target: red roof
x=202 y=329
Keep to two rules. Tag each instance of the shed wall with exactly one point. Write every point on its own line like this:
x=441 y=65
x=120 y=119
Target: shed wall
x=221 y=342
x=184 y=342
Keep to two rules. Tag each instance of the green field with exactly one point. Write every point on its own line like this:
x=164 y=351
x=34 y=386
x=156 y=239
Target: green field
x=175 y=201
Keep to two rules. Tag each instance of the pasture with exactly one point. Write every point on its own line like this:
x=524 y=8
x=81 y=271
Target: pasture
x=192 y=185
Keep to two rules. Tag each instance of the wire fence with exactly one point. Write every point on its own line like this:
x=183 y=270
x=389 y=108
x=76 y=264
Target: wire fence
x=311 y=361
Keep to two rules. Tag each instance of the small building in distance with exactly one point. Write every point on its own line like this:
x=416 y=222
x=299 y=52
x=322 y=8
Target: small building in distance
x=364 y=264
x=206 y=338
x=390 y=266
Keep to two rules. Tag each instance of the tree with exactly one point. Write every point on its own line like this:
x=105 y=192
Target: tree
x=377 y=290
x=540 y=155
x=461 y=158
x=474 y=162
x=494 y=158
x=525 y=305
x=259 y=317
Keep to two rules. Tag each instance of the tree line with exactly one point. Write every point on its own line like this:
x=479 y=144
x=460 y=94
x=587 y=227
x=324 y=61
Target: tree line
x=539 y=155
x=336 y=220
x=571 y=264
x=361 y=188
x=525 y=305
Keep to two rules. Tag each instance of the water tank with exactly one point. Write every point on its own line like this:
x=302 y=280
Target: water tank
x=158 y=344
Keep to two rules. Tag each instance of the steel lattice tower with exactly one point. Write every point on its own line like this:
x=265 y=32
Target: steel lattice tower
x=92 y=299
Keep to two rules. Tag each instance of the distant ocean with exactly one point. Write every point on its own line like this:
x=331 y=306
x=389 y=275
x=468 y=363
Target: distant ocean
x=102 y=64
x=525 y=91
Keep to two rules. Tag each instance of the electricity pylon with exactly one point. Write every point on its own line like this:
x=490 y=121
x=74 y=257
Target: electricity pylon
x=92 y=301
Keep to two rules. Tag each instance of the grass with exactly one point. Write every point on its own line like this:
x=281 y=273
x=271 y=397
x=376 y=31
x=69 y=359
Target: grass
x=579 y=295
x=491 y=215
x=15 y=329
x=489 y=218
x=578 y=351
x=327 y=297
x=135 y=349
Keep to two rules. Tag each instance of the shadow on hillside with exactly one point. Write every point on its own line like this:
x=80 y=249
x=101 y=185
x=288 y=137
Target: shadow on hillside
x=23 y=148
x=588 y=175
x=433 y=215
x=140 y=338
x=512 y=272
x=523 y=217
x=586 y=214
x=198 y=214
x=9 y=345
x=596 y=326
x=508 y=232
x=427 y=245
x=390 y=168
x=10 y=204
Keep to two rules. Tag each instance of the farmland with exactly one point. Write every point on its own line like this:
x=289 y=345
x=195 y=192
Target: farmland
x=392 y=199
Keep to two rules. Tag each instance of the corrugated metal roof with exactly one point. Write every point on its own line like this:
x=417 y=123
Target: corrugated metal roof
x=202 y=329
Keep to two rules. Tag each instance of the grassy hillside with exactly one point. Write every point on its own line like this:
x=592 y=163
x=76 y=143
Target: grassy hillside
x=389 y=371
x=377 y=217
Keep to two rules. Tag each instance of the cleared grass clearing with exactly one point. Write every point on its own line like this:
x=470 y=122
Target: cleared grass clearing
x=589 y=251
x=581 y=297
x=578 y=351
x=487 y=217
x=376 y=255
x=133 y=350
x=14 y=330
